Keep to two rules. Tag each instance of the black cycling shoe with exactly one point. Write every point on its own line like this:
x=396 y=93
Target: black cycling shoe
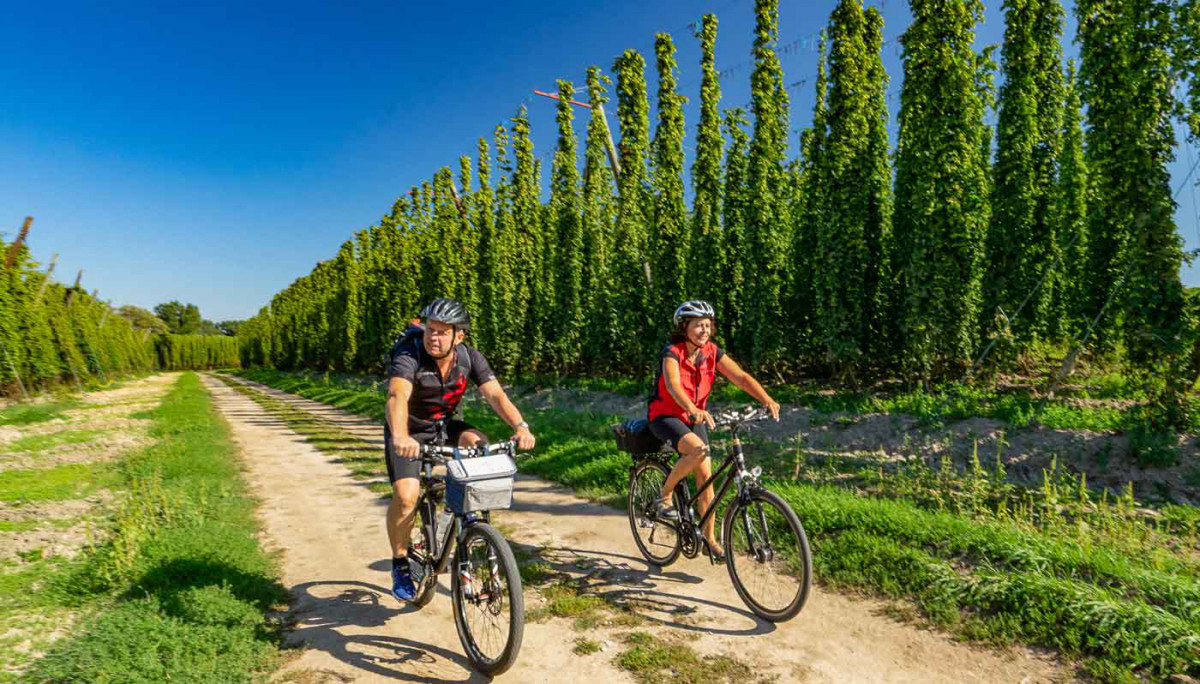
x=715 y=557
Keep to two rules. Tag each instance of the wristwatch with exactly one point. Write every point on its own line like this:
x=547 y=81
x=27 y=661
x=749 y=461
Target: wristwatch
x=520 y=425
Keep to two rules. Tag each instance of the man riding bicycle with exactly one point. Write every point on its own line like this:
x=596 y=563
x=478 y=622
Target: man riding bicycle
x=427 y=377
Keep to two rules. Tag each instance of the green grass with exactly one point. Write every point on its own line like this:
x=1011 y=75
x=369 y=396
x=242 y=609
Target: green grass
x=652 y=660
x=71 y=481
x=25 y=414
x=33 y=443
x=979 y=556
x=178 y=590
x=585 y=646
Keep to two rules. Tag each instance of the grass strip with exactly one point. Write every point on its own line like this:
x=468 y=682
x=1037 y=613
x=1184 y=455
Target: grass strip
x=26 y=414
x=180 y=588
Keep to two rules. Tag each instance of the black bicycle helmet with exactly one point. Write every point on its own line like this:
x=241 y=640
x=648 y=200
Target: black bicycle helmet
x=696 y=308
x=447 y=311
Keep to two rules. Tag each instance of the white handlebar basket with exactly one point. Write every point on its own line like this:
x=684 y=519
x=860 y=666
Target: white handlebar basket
x=480 y=484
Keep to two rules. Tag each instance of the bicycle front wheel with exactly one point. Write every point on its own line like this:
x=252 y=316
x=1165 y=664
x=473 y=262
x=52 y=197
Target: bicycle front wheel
x=421 y=551
x=489 y=607
x=767 y=555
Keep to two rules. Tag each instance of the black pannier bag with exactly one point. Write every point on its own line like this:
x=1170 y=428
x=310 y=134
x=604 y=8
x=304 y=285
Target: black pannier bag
x=634 y=436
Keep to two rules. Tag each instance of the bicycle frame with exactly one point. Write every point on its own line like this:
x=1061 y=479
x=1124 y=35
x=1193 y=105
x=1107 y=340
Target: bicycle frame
x=734 y=468
x=440 y=555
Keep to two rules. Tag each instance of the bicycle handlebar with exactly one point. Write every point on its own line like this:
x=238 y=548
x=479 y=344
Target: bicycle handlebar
x=750 y=414
x=434 y=452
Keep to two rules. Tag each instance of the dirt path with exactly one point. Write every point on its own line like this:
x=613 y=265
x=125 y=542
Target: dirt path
x=330 y=528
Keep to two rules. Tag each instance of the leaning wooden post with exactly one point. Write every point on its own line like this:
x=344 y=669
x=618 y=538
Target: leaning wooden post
x=16 y=246
x=16 y=374
x=612 y=148
x=49 y=272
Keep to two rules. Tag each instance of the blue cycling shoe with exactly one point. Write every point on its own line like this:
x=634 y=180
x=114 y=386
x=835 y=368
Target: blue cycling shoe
x=402 y=584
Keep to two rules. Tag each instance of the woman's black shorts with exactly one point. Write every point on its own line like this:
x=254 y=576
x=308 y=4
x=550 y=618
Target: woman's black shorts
x=399 y=467
x=671 y=429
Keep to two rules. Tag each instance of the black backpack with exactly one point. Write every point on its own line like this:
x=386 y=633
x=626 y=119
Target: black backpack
x=634 y=437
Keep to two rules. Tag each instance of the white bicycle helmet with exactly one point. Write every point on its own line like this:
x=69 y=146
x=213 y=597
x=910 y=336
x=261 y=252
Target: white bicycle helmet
x=696 y=308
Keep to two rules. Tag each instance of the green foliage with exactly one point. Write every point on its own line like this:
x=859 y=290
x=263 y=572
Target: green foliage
x=635 y=206
x=769 y=228
x=733 y=299
x=709 y=249
x=566 y=271
x=180 y=318
x=1071 y=213
x=850 y=166
x=197 y=352
x=51 y=335
x=1023 y=240
x=941 y=200
x=598 y=296
x=670 y=239
x=1127 y=83
x=141 y=319
x=531 y=286
x=816 y=263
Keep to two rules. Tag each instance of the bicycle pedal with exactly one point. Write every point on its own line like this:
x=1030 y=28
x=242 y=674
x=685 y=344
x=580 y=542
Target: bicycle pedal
x=417 y=570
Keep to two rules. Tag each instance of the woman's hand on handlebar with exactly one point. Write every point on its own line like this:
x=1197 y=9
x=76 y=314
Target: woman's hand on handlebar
x=702 y=416
x=772 y=406
x=406 y=447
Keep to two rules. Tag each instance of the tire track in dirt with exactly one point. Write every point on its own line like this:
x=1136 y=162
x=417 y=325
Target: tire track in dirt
x=331 y=531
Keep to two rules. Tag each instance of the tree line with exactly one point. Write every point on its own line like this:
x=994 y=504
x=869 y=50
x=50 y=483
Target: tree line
x=1055 y=226
x=52 y=335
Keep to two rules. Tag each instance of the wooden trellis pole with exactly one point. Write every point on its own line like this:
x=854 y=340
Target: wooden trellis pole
x=612 y=148
x=46 y=281
x=16 y=246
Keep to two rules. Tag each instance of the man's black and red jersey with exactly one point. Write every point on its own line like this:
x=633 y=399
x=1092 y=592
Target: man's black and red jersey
x=434 y=397
x=696 y=377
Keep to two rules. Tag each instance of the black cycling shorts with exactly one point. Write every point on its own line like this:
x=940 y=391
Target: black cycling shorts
x=670 y=429
x=399 y=467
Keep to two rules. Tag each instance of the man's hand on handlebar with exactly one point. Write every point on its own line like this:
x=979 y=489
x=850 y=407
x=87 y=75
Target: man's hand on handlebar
x=406 y=447
x=524 y=438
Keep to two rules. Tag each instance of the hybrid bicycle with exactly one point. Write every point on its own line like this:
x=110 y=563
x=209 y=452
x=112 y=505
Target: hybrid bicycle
x=485 y=582
x=766 y=549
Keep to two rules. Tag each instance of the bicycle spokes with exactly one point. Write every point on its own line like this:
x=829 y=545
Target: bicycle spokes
x=484 y=597
x=764 y=556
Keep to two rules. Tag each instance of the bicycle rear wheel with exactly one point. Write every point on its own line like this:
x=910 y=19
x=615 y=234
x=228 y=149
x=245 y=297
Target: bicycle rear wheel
x=658 y=541
x=489 y=606
x=767 y=555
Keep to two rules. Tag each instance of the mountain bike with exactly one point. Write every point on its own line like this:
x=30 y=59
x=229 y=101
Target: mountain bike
x=485 y=584
x=766 y=550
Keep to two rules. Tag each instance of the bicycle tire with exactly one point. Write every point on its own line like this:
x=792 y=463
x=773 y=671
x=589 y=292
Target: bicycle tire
x=422 y=544
x=635 y=506
x=800 y=559
x=507 y=563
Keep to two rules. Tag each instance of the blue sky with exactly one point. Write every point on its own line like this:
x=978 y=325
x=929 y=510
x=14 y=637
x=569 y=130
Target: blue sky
x=214 y=153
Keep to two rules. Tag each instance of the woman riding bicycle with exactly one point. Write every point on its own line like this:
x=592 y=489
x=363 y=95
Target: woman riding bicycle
x=677 y=409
